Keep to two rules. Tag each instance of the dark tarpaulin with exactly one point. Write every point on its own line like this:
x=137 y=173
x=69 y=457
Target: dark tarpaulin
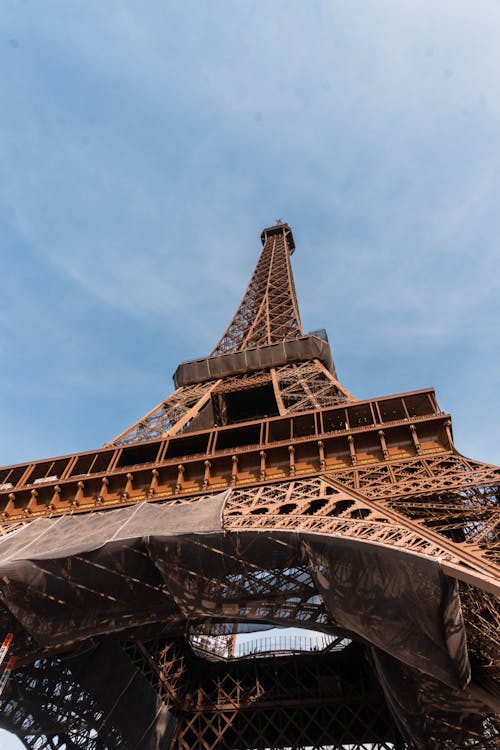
x=127 y=699
x=397 y=601
x=302 y=349
x=424 y=707
x=73 y=577
x=54 y=538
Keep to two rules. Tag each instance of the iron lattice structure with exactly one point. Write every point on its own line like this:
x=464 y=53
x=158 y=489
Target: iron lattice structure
x=260 y=494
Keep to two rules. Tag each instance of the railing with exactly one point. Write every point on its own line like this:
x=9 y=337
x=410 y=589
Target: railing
x=286 y=644
x=333 y=439
x=276 y=645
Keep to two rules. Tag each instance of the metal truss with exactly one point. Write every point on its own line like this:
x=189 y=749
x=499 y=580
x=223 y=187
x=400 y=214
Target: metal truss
x=446 y=527
x=268 y=314
x=247 y=591
x=461 y=528
x=278 y=702
x=236 y=708
x=269 y=311
x=364 y=443
x=55 y=712
x=308 y=462
x=297 y=388
x=419 y=475
x=308 y=385
x=168 y=415
x=439 y=718
x=322 y=505
x=318 y=505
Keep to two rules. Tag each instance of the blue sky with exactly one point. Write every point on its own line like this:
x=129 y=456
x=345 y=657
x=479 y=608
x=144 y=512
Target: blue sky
x=144 y=146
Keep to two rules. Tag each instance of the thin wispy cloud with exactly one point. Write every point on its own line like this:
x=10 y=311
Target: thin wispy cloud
x=144 y=147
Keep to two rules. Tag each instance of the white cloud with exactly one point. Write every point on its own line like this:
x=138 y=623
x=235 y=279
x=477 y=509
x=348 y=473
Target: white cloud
x=144 y=149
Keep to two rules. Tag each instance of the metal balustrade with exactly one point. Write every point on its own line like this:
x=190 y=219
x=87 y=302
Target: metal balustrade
x=225 y=647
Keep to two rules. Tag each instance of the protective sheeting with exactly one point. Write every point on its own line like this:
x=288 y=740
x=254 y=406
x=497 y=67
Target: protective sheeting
x=104 y=572
x=126 y=698
x=303 y=349
x=51 y=539
x=76 y=576
x=170 y=566
x=425 y=708
x=399 y=602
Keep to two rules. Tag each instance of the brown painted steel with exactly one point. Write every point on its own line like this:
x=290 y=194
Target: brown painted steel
x=298 y=455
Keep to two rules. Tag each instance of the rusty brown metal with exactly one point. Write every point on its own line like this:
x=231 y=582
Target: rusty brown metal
x=268 y=312
x=344 y=439
x=297 y=454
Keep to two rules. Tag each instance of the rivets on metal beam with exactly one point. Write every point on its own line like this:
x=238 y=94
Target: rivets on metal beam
x=180 y=478
x=129 y=486
x=383 y=444
x=291 y=459
x=206 y=476
x=79 y=495
x=154 y=483
x=55 y=499
x=321 y=448
x=234 y=470
x=416 y=441
x=101 y=498
x=32 y=501
x=262 y=465
x=352 y=450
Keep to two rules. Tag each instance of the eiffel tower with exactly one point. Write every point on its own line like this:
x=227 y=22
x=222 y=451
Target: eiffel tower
x=259 y=495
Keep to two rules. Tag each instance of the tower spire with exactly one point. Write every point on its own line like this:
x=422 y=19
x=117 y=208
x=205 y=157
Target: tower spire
x=268 y=313
x=263 y=347
x=258 y=494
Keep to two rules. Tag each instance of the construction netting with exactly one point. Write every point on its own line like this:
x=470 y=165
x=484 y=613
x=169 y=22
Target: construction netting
x=161 y=569
x=303 y=349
